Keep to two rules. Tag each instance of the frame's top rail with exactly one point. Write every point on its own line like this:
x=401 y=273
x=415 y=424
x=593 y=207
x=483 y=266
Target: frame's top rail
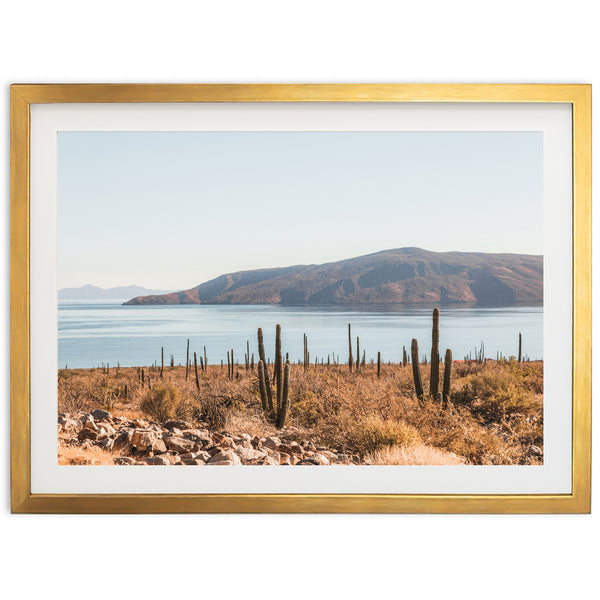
x=309 y=92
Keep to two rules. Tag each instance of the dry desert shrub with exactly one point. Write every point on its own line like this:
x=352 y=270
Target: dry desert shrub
x=73 y=455
x=501 y=390
x=86 y=389
x=418 y=454
x=366 y=435
x=375 y=433
x=161 y=402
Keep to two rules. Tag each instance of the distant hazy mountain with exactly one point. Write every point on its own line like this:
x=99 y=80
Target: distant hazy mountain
x=401 y=276
x=91 y=292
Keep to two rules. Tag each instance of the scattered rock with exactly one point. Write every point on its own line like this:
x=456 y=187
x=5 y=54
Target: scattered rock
x=172 y=459
x=122 y=441
x=106 y=443
x=179 y=444
x=101 y=415
x=272 y=443
x=284 y=459
x=174 y=424
x=88 y=423
x=66 y=423
x=143 y=439
x=197 y=434
x=155 y=460
x=291 y=448
x=105 y=428
x=87 y=434
x=217 y=438
x=249 y=454
x=140 y=442
x=225 y=457
x=159 y=446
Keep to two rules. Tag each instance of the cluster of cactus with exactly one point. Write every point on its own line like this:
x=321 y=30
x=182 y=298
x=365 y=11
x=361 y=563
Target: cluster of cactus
x=479 y=354
x=143 y=378
x=247 y=356
x=434 y=376
x=230 y=365
x=275 y=408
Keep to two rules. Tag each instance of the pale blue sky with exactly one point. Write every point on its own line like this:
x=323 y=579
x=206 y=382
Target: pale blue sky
x=172 y=210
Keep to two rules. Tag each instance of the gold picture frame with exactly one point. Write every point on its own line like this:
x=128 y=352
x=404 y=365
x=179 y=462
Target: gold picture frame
x=23 y=501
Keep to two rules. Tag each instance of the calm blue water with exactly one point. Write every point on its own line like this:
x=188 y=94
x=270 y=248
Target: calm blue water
x=91 y=333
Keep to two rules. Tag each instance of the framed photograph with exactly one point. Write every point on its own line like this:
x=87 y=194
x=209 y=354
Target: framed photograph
x=351 y=298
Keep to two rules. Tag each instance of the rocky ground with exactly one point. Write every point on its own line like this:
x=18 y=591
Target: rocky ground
x=127 y=441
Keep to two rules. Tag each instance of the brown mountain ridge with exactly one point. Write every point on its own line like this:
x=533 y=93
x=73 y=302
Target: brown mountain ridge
x=400 y=276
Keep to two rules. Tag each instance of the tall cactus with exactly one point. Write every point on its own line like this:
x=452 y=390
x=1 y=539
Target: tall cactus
x=305 y=352
x=285 y=400
x=263 y=385
x=414 y=351
x=520 y=340
x=378 y=365
x=357 y=353
x=196 y=371
x=261 y=356
x=404 y=357
x=350 y=358
x=278 y=365
x=434 y=373
x=447 y=376
x=187 y=359
x=162 y=360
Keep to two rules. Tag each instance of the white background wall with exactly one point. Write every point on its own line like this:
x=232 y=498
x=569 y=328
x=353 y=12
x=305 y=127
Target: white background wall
x=292 y=556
